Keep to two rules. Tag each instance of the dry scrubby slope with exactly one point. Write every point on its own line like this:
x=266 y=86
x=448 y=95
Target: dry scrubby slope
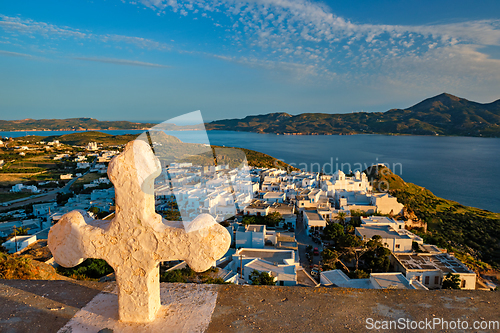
x=459 y=228
x=83 y=138
x=68 y=124
x=444 y=114
x=23 y=267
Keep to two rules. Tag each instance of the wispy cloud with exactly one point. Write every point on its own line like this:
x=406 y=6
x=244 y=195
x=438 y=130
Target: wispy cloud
x=15 y=54
x=122 y=62
x=29 y=27
x=299 y=71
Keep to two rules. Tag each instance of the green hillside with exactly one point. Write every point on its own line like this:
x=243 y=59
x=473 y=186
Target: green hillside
x=444 y=114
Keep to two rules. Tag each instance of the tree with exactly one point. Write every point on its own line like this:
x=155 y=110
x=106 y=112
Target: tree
x=249 y=219
x=89 y=269
x=353 y=247
x=331 y=257
x=377 y=257
x=333 y=231
x=451 y=281
x=172 y=215
x=349 y=241
x=94 y=210
x=20 y=231
x=374 y=242
x=62 y=198
x=341 y=217
x=261 y=278
x=358 y=274
x=273 y=219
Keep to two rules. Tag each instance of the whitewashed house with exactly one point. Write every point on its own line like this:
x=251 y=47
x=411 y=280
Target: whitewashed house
x=386 y=203
x=250 y=236
x=431 y=269
x=280 y=264
x=272 y=197
x=313 y=221
x=18 y=243
x=396 y=241
x=257 y=207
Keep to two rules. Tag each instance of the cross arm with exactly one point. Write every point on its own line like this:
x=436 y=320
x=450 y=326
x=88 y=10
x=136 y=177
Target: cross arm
x=200 y=242
x=75 y=238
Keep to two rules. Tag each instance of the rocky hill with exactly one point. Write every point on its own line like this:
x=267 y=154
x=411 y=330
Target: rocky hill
x=444 y=114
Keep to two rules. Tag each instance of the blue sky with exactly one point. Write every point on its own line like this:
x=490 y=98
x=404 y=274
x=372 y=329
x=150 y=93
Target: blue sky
x=156 y=59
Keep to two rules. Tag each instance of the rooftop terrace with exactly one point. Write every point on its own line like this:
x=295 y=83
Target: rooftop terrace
x=444 y=262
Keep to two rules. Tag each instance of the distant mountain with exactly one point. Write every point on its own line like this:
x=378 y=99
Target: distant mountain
x=444 y=114
x=70 y=124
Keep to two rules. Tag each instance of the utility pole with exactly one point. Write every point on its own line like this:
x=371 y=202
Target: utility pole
x=241 y=266
x=15 y=237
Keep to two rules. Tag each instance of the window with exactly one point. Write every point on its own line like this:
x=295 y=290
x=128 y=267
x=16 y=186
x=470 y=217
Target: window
x=463 y=283
x=398 y=246
x=426 y=280
x=436 y=280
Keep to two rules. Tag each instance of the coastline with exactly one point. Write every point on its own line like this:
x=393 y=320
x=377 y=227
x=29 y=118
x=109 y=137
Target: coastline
x=347 y=134
x=78 y=130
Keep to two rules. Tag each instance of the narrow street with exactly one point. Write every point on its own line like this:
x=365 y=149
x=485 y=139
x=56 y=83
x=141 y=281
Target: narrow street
x=303 y=240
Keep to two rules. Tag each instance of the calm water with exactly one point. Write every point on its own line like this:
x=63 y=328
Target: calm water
x=458 y=168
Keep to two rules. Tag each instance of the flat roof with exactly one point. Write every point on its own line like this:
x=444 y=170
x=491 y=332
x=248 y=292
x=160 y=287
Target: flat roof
x=443 y=262
x=338 y=278
x=390 y=280
x=273 y=256
x=383 y=231
x=313 y=215
x=378 y=219
x=290 y=245
x=258 y=204
x=262 y=265
x=256 y=228
x=274 y=194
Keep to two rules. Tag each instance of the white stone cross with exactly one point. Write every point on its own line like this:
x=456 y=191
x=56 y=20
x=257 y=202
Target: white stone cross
x=137 y=239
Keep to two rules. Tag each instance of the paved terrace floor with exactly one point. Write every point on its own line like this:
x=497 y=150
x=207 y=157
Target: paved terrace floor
x=45 y=306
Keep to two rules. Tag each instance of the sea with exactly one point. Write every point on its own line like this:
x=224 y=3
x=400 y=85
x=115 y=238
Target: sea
x=463 y=169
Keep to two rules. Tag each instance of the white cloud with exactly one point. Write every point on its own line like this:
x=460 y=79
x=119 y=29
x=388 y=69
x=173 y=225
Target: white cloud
x=286 y=23
x=30 y=27
x=122 y=62
x=15 y=54
x=16 y=25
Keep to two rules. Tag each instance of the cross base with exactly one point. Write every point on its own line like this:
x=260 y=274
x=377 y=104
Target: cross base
x=185 y=308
